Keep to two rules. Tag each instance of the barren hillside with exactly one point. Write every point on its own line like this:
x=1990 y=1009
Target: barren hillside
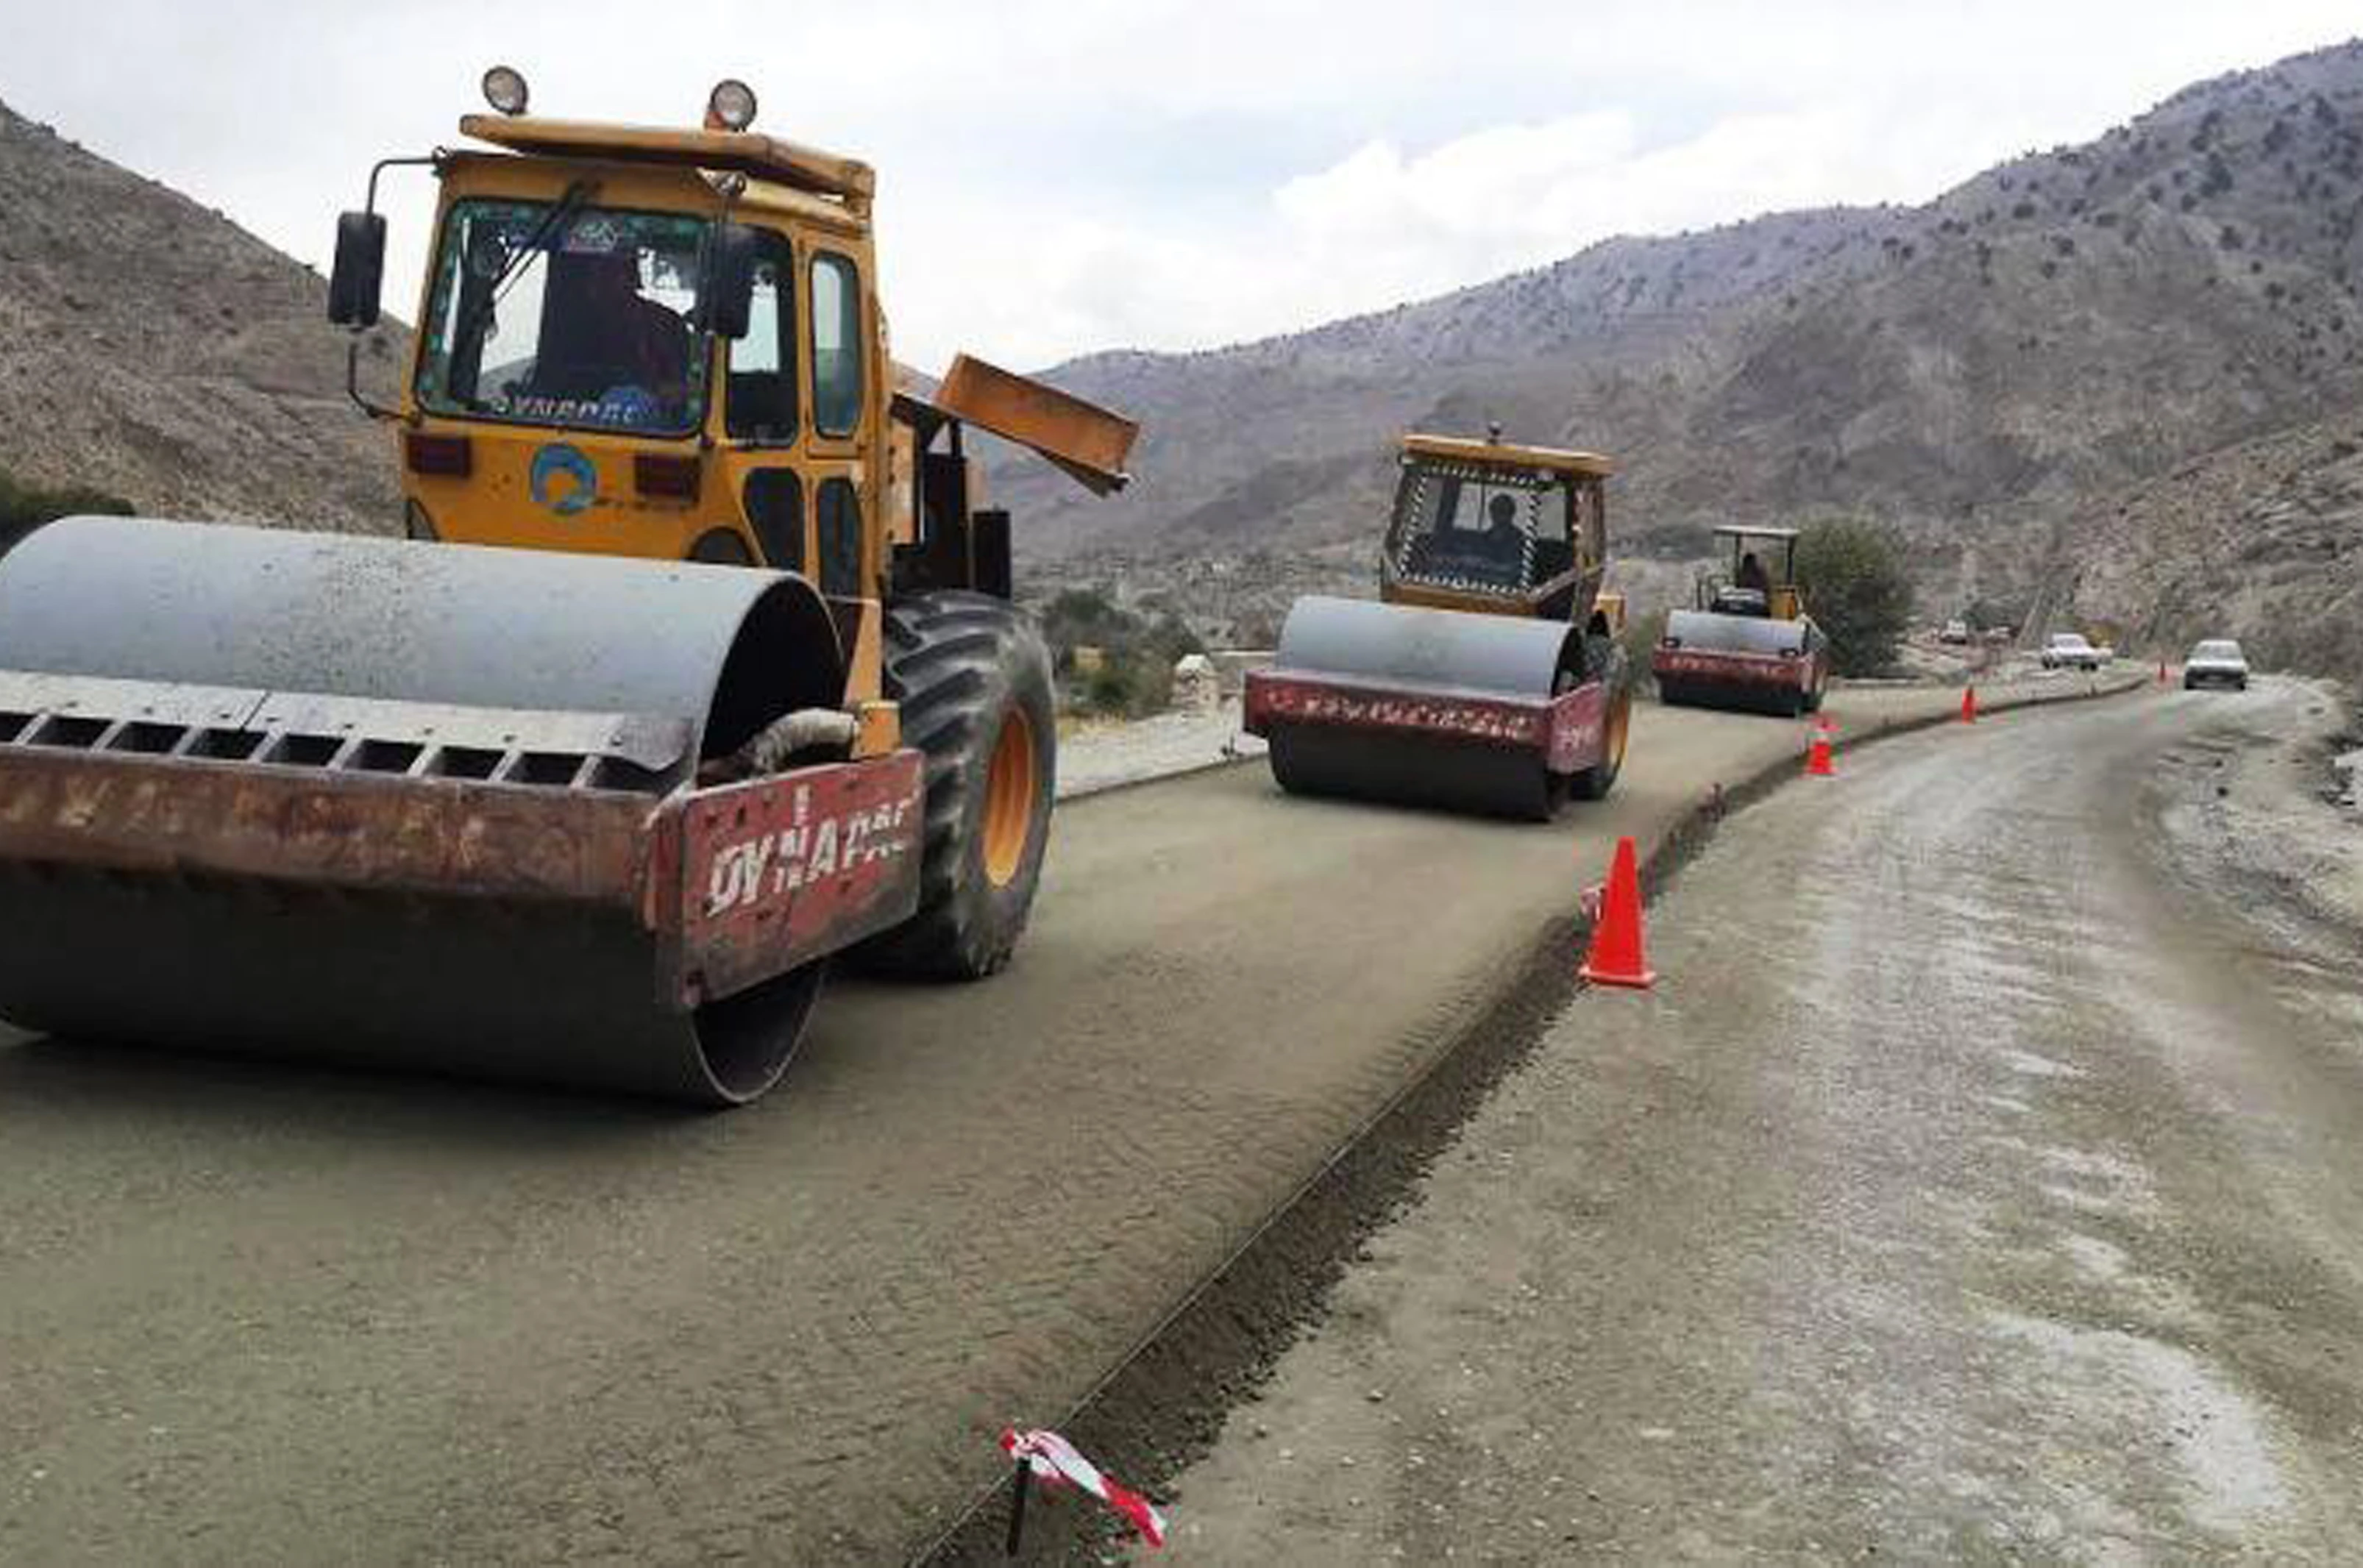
x=2262 y=541
x=2047 y=333
x=153 y=348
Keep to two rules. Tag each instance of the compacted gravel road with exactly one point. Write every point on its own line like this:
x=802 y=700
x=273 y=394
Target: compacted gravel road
x=1983 y=1180
x=255 y=1313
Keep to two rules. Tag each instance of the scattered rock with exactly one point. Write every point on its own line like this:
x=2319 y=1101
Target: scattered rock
x=1196 y=688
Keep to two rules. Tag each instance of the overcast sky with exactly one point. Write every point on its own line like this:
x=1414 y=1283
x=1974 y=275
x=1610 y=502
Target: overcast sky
x=1057 y=177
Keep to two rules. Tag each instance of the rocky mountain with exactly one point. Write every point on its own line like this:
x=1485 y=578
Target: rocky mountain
x=153 y=349
x=2262 y=541
x=1978 y=368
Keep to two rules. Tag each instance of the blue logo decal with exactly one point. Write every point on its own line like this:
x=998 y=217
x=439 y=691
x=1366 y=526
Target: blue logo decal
x=563 y=479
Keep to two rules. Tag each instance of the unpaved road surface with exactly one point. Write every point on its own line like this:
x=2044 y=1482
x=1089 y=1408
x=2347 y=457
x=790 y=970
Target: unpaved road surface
x=1983 y=1180
x=255 y=1313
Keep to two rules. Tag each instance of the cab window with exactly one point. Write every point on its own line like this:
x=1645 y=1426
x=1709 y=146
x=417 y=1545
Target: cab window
x=1473 y=527
x=836 y=345
x=775 y=499
x=762 y=389
x=1558 y=524
x=840 y=539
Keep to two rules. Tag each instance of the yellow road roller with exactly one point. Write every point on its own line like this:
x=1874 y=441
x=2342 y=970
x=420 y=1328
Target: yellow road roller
x=697 y=668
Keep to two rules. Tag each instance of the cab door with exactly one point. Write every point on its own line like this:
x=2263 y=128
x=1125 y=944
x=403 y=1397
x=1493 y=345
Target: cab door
x=837 y=371
x=763 y=403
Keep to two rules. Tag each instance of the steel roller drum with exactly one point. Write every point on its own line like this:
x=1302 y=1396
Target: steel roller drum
x=1409 y=649
x=1704 y=631
x=1398 y=644
x=469 y=739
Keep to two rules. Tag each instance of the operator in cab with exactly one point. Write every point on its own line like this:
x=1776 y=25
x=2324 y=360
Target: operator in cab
x=611 y=342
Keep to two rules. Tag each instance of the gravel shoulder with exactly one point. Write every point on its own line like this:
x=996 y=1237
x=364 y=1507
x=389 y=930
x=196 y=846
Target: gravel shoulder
x=1105 y=756
x=1977 y=1183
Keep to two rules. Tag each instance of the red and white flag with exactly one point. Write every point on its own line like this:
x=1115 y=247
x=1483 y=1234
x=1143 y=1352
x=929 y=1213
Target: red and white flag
x=1052 y=1459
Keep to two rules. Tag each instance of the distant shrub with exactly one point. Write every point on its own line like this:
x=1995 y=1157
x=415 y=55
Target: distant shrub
x=1852 y=573
x=1256 y=628
x=1996 y=612
x=1640 y=638
x=1131 y=673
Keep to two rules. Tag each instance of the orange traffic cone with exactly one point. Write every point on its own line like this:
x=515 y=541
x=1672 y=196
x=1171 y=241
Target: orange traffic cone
x=1817 y=757
x=2161 y=672
x=1615 y=957
x=1969 y=704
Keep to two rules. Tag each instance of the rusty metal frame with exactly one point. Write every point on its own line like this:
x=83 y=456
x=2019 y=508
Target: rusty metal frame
x=1771 y=671
x=1568 y=729
x=776 y=872
x=169 y=818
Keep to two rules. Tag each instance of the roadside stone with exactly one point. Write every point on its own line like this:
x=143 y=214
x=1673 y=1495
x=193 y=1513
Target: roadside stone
x=1196 y=688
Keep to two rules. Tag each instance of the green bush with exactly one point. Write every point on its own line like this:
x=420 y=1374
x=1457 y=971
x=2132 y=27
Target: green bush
x=1137 y=653
x=1852 y=574
x=1081 y=617
x=1640 y=639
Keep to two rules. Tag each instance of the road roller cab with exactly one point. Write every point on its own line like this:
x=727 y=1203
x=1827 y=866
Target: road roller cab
x=697 y=667
x=1490 y=529
x=1489 y=676
x=1746 y=642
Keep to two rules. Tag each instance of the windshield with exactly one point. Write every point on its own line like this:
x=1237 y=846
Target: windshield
x=1479 y=525
x=553 y=317
x=2068 y=640
x=2216 y=650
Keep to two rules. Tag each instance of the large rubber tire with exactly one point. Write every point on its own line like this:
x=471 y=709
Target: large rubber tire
x=1595 y=782
x=973 y=680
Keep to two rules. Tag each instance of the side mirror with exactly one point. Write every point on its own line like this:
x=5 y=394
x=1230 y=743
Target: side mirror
x=730 y=280
x=355 y=282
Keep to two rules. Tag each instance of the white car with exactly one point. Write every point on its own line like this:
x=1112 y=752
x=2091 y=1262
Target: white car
x=2216 y=662
x=2069 y=651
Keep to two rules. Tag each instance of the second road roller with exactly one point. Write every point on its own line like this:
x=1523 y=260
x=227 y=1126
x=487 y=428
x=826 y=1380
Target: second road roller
x=1487 y=676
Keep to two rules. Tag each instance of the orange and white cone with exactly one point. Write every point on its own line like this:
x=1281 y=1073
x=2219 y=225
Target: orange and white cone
x=1817 y=757
x=1969 y=704
x=1616 y=957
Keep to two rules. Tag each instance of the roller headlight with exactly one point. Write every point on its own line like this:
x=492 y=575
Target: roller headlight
x=731 y=104
x=504 y=89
